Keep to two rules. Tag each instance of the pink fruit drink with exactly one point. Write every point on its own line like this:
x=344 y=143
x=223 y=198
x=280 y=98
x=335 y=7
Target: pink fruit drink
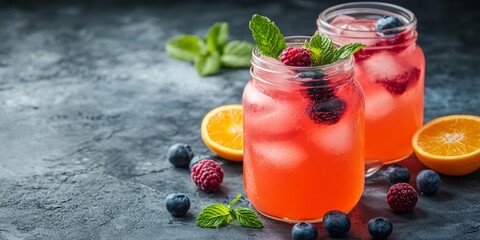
x=390 y=69
x=299 y=165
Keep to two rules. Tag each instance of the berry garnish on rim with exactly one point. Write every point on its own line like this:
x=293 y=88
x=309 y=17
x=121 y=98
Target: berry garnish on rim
x=324 y=107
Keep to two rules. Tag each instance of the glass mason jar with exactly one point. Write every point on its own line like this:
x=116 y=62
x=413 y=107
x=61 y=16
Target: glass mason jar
x=391 y=70
x=303 y=138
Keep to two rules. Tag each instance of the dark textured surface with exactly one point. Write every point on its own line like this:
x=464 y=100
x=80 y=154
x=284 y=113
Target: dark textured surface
x=90 y=103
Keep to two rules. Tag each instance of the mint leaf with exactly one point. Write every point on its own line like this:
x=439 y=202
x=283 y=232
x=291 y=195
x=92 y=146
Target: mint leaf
x=268 y=37
x=247 y=217
x=217 y=215
x=346 y=51
x=213 y=216
x=185 y=47
x=235 y=200
x=208 y=64
x=316 y=56
x=324 y=45
x=237 y=54
x=217 y=37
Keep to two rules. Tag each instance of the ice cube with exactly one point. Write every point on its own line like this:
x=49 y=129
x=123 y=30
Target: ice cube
x=383 y=65
x=362 y=25
x=282 y=119
x=378 y=103
x=255 y=101
x=364 y=28
x=280 y=155
x=342 y=21
x=337 y=138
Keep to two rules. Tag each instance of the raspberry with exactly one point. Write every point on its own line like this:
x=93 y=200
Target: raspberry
x=296 y=57
x=197 y=159
x=398 y=84
x=402 y=197
x=207 y=175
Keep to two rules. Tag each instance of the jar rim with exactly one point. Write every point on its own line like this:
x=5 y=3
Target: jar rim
x=337 y=73
x=366 y=7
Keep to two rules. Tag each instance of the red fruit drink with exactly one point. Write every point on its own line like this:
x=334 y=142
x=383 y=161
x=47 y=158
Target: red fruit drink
x=390 y=69
x=303 y=138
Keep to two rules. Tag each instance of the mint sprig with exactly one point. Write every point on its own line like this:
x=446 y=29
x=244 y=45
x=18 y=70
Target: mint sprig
x=323 y=52
x=209 y=55
x=214 y=216
x=267 y=35
x=271 y=43
x=218 y=215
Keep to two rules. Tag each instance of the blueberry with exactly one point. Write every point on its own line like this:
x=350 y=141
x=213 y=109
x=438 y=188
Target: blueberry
x=388 y=22
x=336 y=223
x=197 y=159
x=380 y=228
x=397 y=174
x=304 y=231
x=328 y=112
x=428 y=182
x=317 y=90
x=177 y=204
x=180 y=155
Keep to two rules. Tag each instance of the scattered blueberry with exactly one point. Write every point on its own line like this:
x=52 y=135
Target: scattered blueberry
x=397 y=174
x=197 y=159
x=388 y=22
x=177 y=204
x=328 y=112
x=380 y=228
x=428 y=182
x=180 y=155
x=304 y=231
x=336 y=223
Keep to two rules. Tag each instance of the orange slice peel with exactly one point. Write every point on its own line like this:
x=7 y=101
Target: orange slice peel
x=222 y=131
x=449 y=145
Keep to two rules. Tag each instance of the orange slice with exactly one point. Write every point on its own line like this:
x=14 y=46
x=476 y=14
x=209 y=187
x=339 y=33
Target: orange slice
x=450 y=144
x=222 y=131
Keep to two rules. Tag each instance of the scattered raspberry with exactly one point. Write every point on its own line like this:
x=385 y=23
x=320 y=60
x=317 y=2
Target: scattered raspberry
x=398 y=84
x=299 y=57
x=207 y=175
x=402 y=197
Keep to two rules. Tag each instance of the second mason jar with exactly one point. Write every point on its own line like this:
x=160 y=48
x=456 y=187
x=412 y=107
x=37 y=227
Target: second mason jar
x=391 y=70
x=303 y=138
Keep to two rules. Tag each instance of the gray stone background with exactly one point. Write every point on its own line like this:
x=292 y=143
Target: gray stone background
x=90 y=102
